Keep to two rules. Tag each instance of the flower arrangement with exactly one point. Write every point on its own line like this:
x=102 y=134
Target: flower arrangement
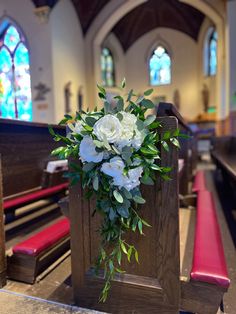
x=118 y=150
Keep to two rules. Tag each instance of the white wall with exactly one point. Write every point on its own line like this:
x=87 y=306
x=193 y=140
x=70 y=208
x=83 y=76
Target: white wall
x=68 y=55
x=39 y=41
x=184 y=53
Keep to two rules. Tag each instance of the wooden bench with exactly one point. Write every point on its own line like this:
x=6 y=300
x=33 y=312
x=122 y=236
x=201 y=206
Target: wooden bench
x=188 y=151
x=224 y=155
x=35 y=254
x=155 y=285
x=25 y=149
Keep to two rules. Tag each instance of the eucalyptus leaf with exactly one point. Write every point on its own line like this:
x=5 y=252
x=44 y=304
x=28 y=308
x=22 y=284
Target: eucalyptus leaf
x=118 y=196
x=149 y=120
x=95 y=183
x=148 y=92
x=139 y=199
x=147 y=103
x=122 y=211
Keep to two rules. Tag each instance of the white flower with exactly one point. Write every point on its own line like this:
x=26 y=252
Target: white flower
x=114 y=167
x=88 y=152
x=108 y=128
x=137 y=141
x=132 y=179
x=128 y=124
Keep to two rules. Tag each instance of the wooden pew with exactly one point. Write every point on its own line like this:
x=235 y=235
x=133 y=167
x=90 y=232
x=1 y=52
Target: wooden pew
x=155 y=285
x=224 y=155
x=25 y=149
x=36 y=253
x=188 y=151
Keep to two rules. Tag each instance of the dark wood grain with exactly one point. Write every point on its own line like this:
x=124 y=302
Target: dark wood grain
x=2 y=237
x=25 y=148
x=159 y=249
x=188 y=150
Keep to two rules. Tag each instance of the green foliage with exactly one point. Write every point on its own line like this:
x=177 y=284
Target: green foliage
x=118 y=207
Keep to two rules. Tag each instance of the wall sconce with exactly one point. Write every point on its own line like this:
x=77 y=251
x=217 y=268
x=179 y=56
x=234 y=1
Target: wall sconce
x=42 y=13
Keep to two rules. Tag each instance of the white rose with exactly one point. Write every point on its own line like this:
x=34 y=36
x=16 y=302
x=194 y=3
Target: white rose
x=133 y=177
x=109 y=128
x=128 y=124
x=114 y=167
x=87 y=151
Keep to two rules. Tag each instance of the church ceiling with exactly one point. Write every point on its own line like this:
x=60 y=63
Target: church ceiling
x=149 y=15
x=158 y=13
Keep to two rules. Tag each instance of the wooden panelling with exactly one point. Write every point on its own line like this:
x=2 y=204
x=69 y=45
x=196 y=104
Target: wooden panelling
x=25 y=148
x=2 y=237
x=159 y=249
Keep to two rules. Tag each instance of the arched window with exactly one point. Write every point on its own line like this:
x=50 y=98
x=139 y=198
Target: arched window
x=15 y=90
x=160 y=67
x=210 y=52
x=107 y=68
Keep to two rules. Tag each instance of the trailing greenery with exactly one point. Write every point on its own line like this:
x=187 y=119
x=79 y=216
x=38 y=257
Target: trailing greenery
x=112 y=168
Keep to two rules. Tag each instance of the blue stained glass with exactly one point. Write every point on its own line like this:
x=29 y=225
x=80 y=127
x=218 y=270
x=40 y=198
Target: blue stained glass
x=7 y=98
x=213 y=54
x=15 y=87
x=22 y=83
x=107 y=68
x=12 y=38
x=160 y=67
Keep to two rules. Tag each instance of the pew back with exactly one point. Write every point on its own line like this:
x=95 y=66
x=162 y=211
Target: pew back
x=153 y=286
x=188 y=150
x=25 y=148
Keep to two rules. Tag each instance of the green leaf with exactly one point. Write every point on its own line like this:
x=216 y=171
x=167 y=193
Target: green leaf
x=155 y=167
x=90 y=121
x=88 y=166
x=98 y=144
x=165 y=145
x=129 y=253
x=147 y=151
x=127 y=194
x=107 y=107
x=51 y=131
x=154 y=125
x=101 y=89
x=136 y=256
x=120 y=105
x=123 y=83
x=118 y=196
x=176 y=132
x=112 y=214
x=122 y=245
x=145 y=223
x=95 y=183
x=130 y=94
x=166 y=135
x=147 y=180
x=119 y=256
x=175 y=142
x=147 y=103
x=123 y=212
x=148 y=92
x=149 y=120
x=139 y=199
x=101 y=95
x=57 y=151
x=68 y=117
x=140 y=226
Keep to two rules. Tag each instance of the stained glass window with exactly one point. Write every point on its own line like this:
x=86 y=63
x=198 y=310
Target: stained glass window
x=15 y=90
x=160 y=67
x=107 y=68
x=210 y=52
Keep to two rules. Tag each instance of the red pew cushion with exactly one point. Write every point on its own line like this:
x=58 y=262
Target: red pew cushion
x=34 y=196
x=44 y=239
x=199 y=182
x=208 y=260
